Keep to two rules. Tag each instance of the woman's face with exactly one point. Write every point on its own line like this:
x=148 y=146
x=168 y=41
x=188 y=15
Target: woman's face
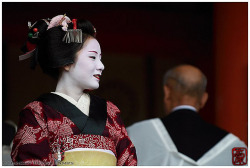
x=87 y=69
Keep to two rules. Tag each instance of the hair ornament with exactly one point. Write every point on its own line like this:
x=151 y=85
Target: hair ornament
x=60 y=20
x=26 y=55
x=30 y=45
x=29 y=24
x=73 y=35
x=35 y=32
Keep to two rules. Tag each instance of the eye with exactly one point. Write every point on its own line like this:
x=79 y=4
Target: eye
x=92 y=57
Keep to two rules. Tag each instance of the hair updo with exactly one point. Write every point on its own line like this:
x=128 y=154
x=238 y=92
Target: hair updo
x=51 y=51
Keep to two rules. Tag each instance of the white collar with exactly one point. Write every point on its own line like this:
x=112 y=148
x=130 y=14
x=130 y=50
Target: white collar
x=82 y=104
x=184 y=107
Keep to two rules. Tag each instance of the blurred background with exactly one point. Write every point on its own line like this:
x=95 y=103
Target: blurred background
x=139 y=42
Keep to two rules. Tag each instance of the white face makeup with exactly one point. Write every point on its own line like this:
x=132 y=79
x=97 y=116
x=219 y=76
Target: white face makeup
x=87 y=70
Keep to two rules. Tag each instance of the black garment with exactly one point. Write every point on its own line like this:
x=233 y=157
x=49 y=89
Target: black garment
x=191 y=135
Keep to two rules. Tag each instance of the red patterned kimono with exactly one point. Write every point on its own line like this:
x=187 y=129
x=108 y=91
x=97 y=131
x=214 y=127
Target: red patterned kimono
x=51 y=124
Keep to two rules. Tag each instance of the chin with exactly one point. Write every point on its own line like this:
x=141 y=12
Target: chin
x=90 y=86
x=93 y=87
x=90 y=89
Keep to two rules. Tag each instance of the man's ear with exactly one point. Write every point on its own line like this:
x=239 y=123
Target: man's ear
x=166 y=92
x=204 y=99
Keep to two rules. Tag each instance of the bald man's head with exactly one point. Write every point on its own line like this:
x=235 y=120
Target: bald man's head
x=185 y=81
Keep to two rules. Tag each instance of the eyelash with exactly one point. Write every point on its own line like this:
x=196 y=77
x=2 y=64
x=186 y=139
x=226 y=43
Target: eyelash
x=93 y=57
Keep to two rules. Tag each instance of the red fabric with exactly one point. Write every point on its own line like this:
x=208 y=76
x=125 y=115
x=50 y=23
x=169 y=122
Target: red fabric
x=30 y=46
x=42 y=130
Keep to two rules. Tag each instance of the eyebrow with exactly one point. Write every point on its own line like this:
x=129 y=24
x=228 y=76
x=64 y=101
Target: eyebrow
x=93 y=52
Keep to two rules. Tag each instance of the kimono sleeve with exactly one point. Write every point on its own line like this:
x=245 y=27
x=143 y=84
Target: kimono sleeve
x=125 y=149
x=31 y=144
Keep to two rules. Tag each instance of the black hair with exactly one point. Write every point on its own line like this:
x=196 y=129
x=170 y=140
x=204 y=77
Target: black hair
x=51 y=52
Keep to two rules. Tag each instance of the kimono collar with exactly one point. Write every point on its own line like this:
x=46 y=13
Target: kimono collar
x=93 y=124
x=82 y=104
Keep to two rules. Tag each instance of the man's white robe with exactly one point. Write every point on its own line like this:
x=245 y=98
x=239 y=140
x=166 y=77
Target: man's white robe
x=154 y=147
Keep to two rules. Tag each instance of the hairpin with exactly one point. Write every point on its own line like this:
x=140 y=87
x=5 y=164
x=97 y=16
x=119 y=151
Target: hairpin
x=63 y=23
x=62 y=19
x=73 y=35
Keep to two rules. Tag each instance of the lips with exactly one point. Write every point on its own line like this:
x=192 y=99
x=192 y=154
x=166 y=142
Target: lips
x=97 y=76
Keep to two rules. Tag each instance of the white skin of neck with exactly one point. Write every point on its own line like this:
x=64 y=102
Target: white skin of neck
x=81 y=75
x=66 y=86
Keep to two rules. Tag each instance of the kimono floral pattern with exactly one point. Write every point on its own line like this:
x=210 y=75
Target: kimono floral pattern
x=43 y=130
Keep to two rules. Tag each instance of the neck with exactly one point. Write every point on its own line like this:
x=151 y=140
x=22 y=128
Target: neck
x=65 y=86
x=185 y=100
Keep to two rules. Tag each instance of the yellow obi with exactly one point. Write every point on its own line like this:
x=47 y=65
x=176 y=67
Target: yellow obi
x=88 y=157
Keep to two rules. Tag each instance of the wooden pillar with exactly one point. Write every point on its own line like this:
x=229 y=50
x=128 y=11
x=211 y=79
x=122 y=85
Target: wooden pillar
x=231 y=67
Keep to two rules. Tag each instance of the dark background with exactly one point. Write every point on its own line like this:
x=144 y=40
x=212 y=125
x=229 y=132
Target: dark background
x=139 y=42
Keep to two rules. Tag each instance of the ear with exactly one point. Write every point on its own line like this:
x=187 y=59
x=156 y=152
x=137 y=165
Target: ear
x=204 y=99
x=67 y=67
x=166 y=92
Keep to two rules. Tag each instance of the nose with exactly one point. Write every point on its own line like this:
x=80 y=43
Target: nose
x=100 y=66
